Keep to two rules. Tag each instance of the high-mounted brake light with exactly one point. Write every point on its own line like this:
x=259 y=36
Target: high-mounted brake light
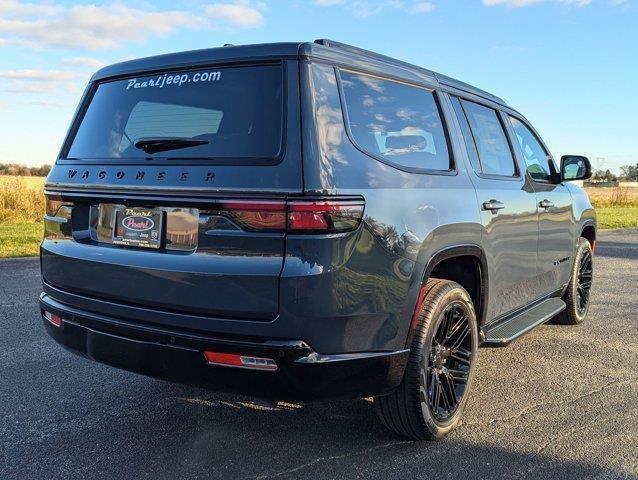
x=240 y=361
x=298 y=216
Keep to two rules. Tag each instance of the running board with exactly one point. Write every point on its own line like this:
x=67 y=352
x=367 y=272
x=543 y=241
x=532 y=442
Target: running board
x=501 y=334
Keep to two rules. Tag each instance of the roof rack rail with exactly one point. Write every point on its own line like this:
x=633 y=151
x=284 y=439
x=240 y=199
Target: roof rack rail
x=362 y=51
x=443 y=79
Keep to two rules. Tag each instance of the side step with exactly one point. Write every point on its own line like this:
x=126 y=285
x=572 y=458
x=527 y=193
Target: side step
x=502 y=333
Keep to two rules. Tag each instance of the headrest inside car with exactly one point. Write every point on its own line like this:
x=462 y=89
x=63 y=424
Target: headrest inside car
x=403 y=142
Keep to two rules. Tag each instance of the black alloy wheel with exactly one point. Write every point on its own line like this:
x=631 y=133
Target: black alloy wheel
x=449 y=362
x=583 y=284
x=577 y=295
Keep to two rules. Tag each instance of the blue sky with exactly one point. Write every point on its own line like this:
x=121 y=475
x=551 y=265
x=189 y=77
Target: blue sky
x=570 y=66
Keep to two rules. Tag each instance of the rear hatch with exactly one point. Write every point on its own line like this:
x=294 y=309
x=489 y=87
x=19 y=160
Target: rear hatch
x=170 y=191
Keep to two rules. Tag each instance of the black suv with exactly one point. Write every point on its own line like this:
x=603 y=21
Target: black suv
x=308 y=220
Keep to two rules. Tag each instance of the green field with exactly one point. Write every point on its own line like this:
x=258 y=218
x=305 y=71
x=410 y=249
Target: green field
x=22 y=208
x=617 y=217
x=20 y=239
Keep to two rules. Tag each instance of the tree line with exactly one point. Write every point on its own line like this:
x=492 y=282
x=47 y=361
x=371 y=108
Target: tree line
x=23 y=170
x=628 y=173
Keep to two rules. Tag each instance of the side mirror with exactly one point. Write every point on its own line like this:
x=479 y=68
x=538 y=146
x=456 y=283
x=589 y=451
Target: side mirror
x=574 y=167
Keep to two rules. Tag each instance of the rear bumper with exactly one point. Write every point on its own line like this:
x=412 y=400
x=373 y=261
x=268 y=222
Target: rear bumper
x=302 y=374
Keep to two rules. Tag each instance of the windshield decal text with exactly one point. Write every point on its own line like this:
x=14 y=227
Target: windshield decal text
x=177 y=79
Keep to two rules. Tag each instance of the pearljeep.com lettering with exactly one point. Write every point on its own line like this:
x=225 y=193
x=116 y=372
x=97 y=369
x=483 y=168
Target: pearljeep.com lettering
x=177 y=79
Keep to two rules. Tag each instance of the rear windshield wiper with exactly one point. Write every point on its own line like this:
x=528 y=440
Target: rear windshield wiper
x=161 y=144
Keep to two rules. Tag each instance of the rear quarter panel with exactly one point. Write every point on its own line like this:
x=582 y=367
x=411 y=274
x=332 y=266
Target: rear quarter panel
x=583 y=211
x=365 y=285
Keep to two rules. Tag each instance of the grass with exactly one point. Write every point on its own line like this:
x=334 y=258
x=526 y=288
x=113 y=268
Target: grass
x=22 y=208
x=20 y=238
x=21 y=199
x=617 y=217
x=615 y=207
x=613 y=197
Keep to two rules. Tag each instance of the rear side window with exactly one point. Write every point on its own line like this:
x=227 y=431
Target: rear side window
x=467 y=135
x=536 y=157
x=493 y=149
x=395 y=122
x=212 y=114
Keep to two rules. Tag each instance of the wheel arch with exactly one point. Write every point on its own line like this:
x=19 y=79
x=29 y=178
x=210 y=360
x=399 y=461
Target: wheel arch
x=447 y=263
x=588 y=231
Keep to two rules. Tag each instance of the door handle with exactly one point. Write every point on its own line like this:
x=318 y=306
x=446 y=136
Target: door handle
x=493 y=205
x=546 y=204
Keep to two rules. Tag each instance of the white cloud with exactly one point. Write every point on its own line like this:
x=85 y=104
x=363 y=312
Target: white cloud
x=46 y=103
x=526 y=3
x=37 y=75
x=44 y=85
x=87 y=62
x=422 y=7
x=234 y=14
x=96 y=27
x=365 y=8
x=16 y=8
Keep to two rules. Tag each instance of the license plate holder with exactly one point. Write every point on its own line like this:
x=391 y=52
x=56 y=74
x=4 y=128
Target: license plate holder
x=138 y=227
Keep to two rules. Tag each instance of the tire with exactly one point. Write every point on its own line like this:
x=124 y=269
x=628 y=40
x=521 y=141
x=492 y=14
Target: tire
x=579 y=286
x=409 y=409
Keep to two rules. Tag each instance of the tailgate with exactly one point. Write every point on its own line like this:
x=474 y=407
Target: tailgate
x=205 y=262
x=169 y=190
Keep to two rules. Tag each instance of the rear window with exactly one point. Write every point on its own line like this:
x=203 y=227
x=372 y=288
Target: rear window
x=396 y=122
x=209 y=114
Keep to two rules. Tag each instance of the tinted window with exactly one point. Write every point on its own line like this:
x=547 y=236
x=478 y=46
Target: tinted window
x=231 y=112
x=396 y=122
x=467 y=135
x=535 y=156
x=493 y=149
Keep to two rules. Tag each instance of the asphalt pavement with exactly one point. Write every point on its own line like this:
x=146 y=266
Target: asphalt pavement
x=560 y=403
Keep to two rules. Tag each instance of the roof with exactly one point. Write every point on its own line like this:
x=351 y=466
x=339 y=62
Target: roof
x=325 y=50
x=231 y=53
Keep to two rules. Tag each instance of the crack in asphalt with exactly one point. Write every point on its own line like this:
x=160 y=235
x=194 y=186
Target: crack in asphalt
x=538 y=406
x=560 y=436
x=330 y=458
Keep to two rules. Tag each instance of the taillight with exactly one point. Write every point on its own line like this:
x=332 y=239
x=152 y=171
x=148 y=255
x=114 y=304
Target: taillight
x=298 y=216
x=255 y=215
x=324 y=215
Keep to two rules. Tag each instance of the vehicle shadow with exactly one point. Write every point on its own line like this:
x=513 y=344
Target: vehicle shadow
x=153 y=429
x=627 y=250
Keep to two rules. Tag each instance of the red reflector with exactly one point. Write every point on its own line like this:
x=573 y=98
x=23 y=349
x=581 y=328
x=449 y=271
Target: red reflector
x=240 y=361
x=223 y=358
x=54 y=319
